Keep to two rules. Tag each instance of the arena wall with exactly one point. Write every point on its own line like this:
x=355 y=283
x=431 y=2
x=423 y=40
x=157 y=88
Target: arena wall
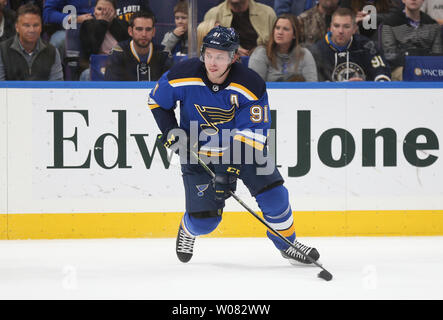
x=79 y=160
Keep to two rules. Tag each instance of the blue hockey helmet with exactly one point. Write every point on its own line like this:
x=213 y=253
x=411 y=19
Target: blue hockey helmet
x=221 y=38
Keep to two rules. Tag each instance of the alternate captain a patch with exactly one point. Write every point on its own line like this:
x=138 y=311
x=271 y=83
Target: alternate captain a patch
x=214 y=116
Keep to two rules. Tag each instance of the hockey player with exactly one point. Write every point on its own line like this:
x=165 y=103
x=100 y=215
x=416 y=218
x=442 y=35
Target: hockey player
x=345 y=56
x=219 y=94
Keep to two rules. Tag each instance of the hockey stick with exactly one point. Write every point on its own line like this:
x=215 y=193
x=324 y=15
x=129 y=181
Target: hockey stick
x=324 y=274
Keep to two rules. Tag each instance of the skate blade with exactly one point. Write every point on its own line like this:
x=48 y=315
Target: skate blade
x=300 y=264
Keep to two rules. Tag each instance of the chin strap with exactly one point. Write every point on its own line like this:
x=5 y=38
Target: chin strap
x=228 y=67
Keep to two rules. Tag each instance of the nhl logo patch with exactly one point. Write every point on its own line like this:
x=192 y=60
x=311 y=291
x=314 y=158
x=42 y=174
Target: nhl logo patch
x=215 y=88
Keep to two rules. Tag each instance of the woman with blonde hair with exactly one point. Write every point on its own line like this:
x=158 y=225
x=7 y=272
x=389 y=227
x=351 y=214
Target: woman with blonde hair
x=283 y=59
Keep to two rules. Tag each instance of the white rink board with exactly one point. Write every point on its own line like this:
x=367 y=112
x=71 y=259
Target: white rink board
x=33 y=187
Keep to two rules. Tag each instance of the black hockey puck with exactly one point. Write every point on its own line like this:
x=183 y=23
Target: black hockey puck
x=325 y=275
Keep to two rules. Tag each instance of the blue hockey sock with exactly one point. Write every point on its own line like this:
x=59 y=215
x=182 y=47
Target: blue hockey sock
x=276 y=209
x=200 y=226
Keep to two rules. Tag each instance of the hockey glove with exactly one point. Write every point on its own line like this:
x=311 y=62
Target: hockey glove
x=225 y=181
x=174 y=142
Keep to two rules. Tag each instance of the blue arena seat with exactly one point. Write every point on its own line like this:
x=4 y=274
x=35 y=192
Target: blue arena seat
x=267 y=2
x=97 y=66
x=161 y=28
x=203 y=6
x=163 y=10
x=244 y=60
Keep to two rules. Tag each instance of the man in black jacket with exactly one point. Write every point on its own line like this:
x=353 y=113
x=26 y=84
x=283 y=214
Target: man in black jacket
x=137 y=59
x=25 y=56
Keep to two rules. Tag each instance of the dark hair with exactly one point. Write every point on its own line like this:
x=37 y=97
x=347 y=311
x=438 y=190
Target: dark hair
x=142 y=14
x=344 y=12
x=181 y=6
x=113 y=2
x=28 y=8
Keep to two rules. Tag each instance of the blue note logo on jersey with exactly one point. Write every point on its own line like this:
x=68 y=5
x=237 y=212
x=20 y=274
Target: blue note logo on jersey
x=201 y=189
x=214 y=116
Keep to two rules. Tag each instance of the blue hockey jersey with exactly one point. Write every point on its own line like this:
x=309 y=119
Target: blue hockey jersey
x=239 y=105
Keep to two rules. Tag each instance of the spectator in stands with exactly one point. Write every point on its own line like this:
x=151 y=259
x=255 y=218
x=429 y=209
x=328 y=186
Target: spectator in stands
x=409 y=32
x=25 y=56
x=253 y=21
x=434 y=8
x=314 y=23
x=7 y=19
x=296 y=7
x=137 y=59
x=56 y=14
x=384 y=8
x=176 y=41
x=126 y=8
x=284 y=59
x=345 y=56
x=101 y=34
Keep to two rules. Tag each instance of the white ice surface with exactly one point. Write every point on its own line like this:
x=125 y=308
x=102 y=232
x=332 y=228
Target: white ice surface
x=240 y=268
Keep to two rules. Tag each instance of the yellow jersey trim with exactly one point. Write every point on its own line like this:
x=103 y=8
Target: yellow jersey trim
x=252 y=143
x=243 y=90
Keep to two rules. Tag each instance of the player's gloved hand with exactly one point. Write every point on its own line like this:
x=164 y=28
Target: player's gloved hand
x=225 y=181
x=175 y=143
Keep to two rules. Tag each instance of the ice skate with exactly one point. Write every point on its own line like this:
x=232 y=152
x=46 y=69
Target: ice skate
x=295 y=257
x=184 y=245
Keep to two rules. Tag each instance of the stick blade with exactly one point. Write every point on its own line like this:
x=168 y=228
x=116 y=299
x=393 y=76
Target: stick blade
x=325 y=275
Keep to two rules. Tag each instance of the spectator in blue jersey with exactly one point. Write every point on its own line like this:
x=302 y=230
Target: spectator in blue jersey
x=410 y=32
x=283 y=59
x=25 y=56
x=225 y=118
x=126 y=8
x=176 y=41
x=101 y=34
x=7 y=20
x=345 y=56
x=296 y=7
x=137 y=59
x=253 y=21
x=64 y=14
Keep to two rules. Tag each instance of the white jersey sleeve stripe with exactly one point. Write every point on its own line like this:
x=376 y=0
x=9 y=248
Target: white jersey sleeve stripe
x=253 y=135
